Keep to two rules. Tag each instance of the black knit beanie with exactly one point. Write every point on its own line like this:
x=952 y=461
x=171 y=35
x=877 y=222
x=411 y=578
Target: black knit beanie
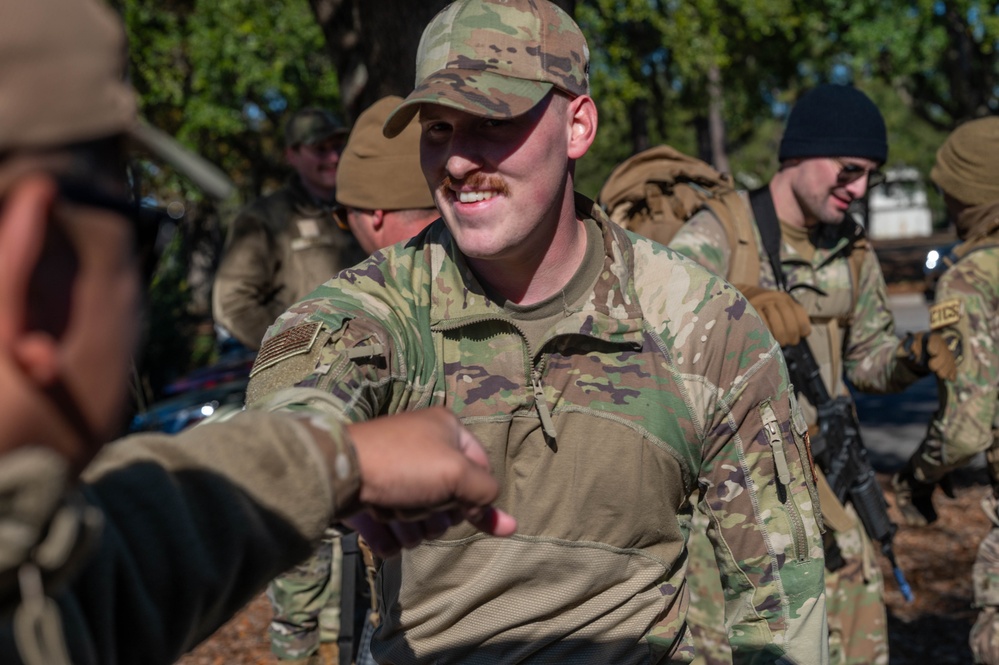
x=835 y=121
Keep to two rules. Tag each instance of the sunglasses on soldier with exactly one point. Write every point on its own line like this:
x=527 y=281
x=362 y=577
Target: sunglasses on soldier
x=850 y=173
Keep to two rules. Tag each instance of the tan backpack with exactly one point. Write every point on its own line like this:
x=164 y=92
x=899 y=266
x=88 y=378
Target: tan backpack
x=654 y=192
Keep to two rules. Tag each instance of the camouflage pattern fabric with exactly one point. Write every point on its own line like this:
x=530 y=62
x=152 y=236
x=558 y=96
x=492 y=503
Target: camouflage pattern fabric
x=279 y=248
x=854 y=318
x=306 y=602
x=984 y=638
x=706 y=614
x=165 y=575
x=858 y=631
x=496 y=59
x=966 y=311
x=658 y=388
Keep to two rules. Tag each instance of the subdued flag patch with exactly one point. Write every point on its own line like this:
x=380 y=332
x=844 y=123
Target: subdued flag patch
x=291 y=342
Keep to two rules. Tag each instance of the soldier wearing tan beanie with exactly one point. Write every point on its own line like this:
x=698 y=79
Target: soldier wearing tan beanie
x=966 y=314
x=384 y=196
x=967 y=170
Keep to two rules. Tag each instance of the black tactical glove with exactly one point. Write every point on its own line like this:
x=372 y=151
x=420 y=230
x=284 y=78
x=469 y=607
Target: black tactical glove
x=914 y=498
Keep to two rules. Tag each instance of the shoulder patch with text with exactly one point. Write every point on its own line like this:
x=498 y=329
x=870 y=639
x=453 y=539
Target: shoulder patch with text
x=945 y=314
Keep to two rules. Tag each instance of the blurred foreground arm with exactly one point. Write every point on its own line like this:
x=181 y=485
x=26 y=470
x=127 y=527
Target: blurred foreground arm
x=197 y=524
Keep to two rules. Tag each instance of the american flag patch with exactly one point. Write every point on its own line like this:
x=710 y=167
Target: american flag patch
x=291 y=342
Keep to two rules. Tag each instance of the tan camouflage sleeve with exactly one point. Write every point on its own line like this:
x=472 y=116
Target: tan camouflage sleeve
x=196 y=524
x=704 y=240
x=272 y=458
x=969 y=405
x=338 y=360
x=869 y=356
x=753 y=470
x=758 y=491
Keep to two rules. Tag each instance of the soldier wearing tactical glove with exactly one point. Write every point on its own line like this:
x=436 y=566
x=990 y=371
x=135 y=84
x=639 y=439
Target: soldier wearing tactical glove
x=804 y=240
x=786 y=318
x=923 y=353
x=926 y=352
x=965 y=318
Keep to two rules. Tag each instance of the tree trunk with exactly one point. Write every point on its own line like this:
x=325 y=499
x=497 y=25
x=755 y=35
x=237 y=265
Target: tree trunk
x=639 y=112
x=716 y=121
x=373 y=45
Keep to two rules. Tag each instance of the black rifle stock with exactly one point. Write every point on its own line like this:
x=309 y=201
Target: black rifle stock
x=840 y=453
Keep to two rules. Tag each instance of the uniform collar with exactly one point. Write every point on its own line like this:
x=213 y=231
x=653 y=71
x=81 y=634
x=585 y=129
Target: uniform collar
x=612 y=312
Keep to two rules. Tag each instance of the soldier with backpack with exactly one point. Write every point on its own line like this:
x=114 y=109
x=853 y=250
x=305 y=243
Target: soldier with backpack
x=821 y=282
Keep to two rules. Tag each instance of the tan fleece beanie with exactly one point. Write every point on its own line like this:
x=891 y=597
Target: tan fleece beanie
x=967 y=165
x=376 y=173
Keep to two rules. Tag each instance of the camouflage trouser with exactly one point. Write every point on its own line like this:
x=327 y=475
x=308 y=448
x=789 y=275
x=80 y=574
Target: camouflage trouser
x=858 y=622
x=984 y=638
x=306 y=602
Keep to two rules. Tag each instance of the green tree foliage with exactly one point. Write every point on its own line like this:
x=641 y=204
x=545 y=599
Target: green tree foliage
x=222 y=76
x=939 y=56
x=928 y=64
x=654 y=62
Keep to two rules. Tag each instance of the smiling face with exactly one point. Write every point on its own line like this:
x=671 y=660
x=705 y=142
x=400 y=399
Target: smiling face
x=824 y=187
x=316 y=164
x=500 y=184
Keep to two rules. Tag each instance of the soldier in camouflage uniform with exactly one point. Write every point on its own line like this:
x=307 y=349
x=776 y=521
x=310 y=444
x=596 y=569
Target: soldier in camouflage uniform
x=612 y=382
x=966 y=312
x=837 y=299
x=167 y=536
x=306 y=600
x=283 y=245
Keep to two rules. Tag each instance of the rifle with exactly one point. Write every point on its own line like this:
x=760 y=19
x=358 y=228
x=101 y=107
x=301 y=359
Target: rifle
x=841 y=455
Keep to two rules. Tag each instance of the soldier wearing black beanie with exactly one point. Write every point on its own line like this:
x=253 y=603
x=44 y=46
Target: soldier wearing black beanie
x=819 y=282
x=835 y=121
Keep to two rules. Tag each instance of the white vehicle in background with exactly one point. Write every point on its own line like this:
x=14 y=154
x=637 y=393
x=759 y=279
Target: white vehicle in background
x=898 y=208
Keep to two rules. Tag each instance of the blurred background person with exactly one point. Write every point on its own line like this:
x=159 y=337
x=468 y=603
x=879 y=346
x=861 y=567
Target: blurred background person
x=966 y=313
x=283 y=245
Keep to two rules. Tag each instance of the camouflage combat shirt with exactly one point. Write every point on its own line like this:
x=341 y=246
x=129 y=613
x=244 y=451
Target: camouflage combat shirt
x=279 y=248
x=966 y=311
x=853 y=331
x=663 y=384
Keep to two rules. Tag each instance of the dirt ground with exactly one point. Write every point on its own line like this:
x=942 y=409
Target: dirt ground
x=933 y=629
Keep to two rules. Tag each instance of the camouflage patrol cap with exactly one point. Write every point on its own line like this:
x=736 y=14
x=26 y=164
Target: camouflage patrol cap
x=495 y=59
x=370 y=160
x=312 y=125
x=62 y=65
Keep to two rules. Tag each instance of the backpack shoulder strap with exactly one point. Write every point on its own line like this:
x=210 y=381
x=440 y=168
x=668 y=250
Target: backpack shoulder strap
x=733 y=213
x=766 y=220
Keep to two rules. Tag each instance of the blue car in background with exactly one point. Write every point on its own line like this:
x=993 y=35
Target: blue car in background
x=215 y=392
